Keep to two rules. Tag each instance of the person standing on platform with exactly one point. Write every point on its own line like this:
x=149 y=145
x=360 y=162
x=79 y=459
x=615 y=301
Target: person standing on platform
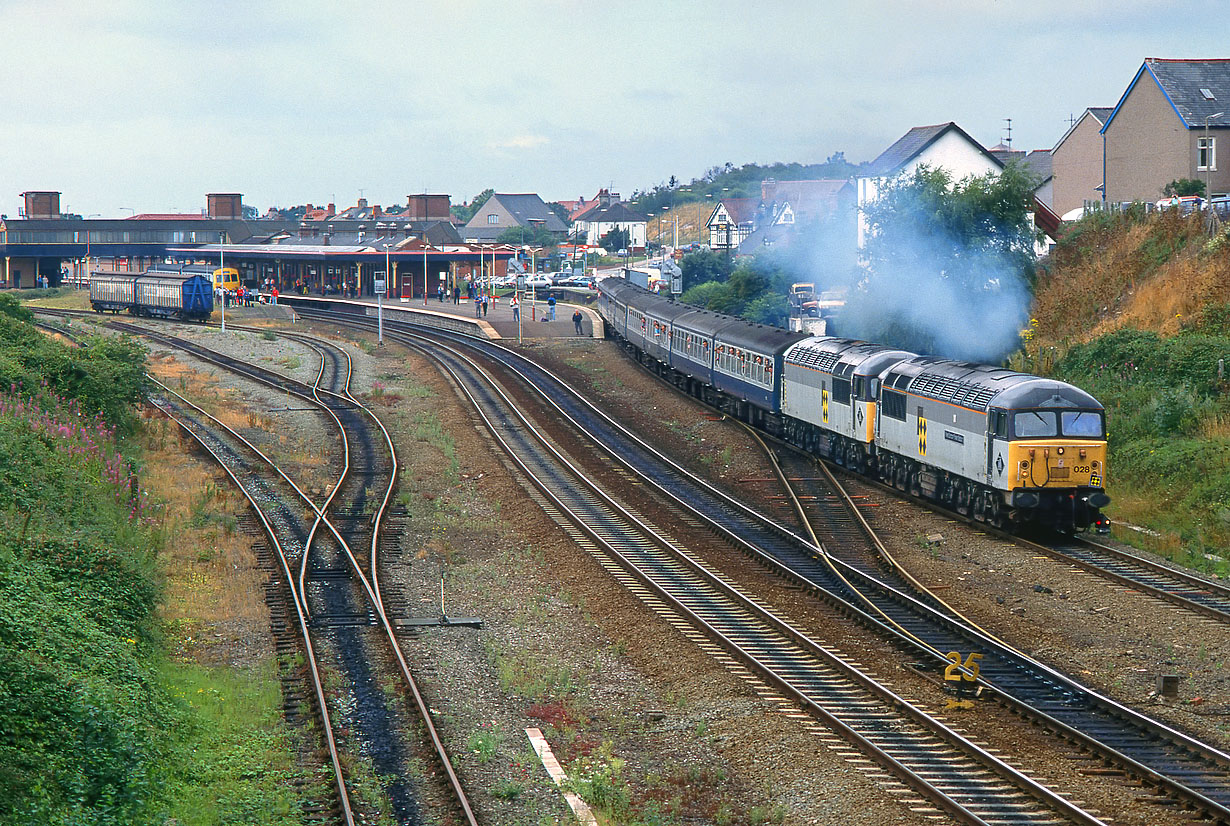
x=576 y=321
x=440 y=293
x=486 y=301
x=456 y=294
x=516 y=307
x=551 y=307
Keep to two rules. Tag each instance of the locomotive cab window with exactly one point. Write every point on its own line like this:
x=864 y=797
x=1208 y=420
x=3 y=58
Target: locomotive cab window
x=1035 y=424
x=858 y=387
x=1083 y=423
x=999 y=424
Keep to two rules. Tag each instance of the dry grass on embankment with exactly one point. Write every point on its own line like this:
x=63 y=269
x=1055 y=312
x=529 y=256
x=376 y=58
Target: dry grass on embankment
x=1108 y=274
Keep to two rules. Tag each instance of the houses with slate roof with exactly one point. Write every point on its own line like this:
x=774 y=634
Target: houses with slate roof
x=609 y=213
x=1076 y=162
x=943 y=145
x=504 y=211
x=732 y=221
x=747 y=224
x=1168 y=125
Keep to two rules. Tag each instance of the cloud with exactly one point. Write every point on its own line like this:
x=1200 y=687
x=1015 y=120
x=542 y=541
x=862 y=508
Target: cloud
x=519 y=142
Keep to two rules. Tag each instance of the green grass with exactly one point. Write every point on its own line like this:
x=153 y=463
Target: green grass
x=231 y=759
x=427 y=428
x=1168 y=422
x=98 y=723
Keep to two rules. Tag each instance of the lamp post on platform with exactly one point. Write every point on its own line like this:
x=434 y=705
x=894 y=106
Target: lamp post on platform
x=424 y=269
x=222 y=275
x=380 y=299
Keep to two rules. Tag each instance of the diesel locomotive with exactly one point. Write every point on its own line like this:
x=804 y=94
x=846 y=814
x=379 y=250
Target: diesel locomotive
x=1003 y=447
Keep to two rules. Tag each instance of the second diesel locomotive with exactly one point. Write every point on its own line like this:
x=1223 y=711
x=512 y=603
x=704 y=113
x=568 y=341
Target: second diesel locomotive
x=1004 y=447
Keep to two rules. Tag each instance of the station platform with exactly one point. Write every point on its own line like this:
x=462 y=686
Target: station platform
x=499 y=322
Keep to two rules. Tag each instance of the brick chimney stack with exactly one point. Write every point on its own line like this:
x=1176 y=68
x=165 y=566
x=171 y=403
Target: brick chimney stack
x=40 y=204
x=224 y=205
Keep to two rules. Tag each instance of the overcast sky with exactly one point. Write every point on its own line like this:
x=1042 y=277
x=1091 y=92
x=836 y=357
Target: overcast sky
x=146 y=106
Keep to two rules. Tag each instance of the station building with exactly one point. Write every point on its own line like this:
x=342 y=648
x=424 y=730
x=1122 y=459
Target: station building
x=329 y=252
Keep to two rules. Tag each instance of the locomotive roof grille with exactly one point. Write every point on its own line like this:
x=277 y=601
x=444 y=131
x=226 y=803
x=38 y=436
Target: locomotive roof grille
x=953 y=391
x=819 y=359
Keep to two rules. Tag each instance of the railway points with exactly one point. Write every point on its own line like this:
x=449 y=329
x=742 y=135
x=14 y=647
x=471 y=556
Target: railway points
x=612 y=442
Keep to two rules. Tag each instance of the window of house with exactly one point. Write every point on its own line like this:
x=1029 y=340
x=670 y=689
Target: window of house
x=493 y=218
x=1206 y=153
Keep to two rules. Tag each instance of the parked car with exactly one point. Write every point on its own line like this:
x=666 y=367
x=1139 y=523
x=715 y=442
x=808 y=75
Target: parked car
x=538 y=281
x=1185 y=204
x=577 y=281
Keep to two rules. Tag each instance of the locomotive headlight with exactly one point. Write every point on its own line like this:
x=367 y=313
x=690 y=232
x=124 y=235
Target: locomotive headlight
x=1060 y=451
x=1024 y=463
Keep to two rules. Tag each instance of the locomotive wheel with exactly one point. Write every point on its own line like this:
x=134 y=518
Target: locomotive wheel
x=961 y=498
x=995 y=513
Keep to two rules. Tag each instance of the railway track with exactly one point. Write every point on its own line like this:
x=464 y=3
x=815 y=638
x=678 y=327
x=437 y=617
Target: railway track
x=337 y=598
x=956 y=776
x=281 y=526
x=1163 y=582
x=1180 y=588
x=1161 y=757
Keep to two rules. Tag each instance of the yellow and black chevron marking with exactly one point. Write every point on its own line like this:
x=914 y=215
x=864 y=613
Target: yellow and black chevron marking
x=922 y=436
x=824 y=406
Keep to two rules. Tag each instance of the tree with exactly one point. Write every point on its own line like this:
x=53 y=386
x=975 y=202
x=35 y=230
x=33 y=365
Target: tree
x=561 y=212
x=464 y=212
x=1182 y=187
x=616 y=239
x=704 y=266
x=950 y=264
x=535 y=235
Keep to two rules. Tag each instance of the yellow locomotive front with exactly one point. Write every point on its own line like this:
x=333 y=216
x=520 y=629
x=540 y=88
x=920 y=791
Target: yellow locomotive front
x=1056 y=464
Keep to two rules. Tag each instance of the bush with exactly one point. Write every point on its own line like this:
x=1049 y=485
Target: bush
x=80 y=713
x=1174 y=412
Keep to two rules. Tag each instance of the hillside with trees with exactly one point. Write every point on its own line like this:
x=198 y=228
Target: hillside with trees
x=730 y=181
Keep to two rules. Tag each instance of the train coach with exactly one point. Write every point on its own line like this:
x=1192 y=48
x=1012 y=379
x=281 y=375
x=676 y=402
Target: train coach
x=157 y=293
x=1001 y=446
x=730 y=363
